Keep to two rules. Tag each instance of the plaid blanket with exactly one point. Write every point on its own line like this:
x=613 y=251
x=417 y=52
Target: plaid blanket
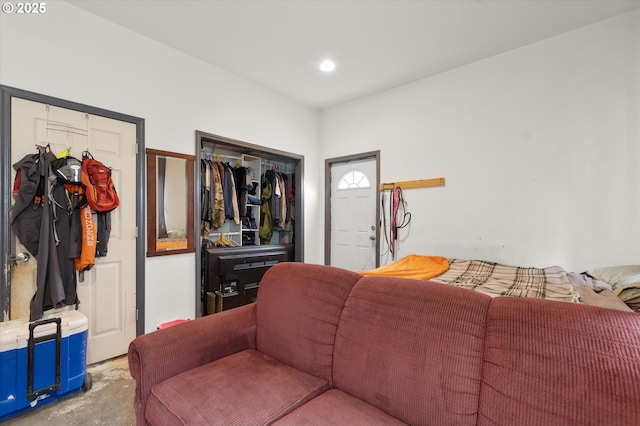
x=495 y=279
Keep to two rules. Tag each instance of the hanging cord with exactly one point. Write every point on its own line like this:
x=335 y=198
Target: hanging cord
x=393 y=231
x=401 y=202
x=398 y=205
x=384 y=223
x=397 y=208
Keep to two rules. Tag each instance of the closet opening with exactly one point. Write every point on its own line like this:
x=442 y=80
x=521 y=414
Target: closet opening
x=249 y=217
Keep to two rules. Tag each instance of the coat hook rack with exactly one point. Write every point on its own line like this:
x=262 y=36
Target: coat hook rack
x=420 y=183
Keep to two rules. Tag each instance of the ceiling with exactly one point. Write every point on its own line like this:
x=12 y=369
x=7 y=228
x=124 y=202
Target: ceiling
x=376 y=45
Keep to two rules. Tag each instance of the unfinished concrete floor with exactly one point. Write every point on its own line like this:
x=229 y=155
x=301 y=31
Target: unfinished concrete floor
x=108 y=402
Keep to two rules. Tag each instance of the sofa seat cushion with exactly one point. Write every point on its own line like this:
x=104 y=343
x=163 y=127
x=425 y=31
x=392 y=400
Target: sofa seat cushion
x=335 y=407
x=555 y=363
x=247 y=388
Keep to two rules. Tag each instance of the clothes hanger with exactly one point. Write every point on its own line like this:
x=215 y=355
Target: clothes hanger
x=224 y=241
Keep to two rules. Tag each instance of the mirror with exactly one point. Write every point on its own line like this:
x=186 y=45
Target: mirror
x=170 y=217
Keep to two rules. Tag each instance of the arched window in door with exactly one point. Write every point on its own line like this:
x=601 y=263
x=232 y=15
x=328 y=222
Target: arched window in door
x=353 y=179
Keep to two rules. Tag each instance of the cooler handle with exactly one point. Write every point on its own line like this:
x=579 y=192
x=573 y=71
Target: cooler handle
x=31 y=356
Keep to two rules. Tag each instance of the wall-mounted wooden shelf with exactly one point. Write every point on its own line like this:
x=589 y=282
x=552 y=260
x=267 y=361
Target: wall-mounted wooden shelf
x=420 y=183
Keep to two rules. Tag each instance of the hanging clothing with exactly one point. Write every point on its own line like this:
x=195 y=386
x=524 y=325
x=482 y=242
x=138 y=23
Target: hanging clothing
x=265 y=231
x=230 y=196
x=67 y=234
x=47 y=217
x=289 y=196
x=231 y=192
x=227 y=189
x=25 y=215
x=56 y=278
x=88 y=240
x=218 y=193
x=273 y=199
x=103 y=229
x=243 y=182
x=283 y=200
x=206 y=207
x=211 y=195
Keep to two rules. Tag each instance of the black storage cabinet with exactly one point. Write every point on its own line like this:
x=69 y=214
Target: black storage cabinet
x=236 y=272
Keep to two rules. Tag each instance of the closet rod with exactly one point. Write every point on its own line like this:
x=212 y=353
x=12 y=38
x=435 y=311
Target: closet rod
x=420 y=183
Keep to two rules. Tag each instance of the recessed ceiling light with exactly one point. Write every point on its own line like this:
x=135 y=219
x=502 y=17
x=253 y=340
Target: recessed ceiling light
x=327 y=66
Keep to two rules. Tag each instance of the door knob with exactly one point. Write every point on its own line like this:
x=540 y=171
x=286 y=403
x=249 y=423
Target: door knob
x=20 y=258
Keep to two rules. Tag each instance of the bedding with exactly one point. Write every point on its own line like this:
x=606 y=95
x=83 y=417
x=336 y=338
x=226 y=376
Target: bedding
x=413 y=266
x=614 y=288
x=595 y=292
x=496 y=279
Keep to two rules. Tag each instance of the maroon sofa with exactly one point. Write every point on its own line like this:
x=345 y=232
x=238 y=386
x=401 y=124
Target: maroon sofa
x=326 y=346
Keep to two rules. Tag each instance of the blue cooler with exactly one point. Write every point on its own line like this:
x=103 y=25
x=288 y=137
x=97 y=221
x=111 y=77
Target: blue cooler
x=42 y=361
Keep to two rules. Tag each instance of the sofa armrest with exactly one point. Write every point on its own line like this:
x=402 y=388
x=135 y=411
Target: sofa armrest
x=157 y=356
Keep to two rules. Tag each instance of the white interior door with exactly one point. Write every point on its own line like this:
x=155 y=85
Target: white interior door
x=353 y=215
x=107 y=295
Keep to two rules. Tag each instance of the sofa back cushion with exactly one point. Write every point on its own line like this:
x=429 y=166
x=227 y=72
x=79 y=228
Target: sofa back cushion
x=297 y=312
x=413 y=349
x=551 y=363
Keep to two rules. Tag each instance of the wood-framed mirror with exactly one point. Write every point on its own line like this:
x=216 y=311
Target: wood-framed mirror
x=170 y=192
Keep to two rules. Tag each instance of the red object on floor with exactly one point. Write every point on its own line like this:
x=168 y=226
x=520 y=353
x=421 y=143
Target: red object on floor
x=171 y=323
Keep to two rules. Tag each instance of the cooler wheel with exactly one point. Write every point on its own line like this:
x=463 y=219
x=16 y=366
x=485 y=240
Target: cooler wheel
x=87 y=383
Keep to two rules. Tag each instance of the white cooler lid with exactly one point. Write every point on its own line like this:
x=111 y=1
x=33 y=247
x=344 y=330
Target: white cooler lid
x=9 y=332
x=14 y=334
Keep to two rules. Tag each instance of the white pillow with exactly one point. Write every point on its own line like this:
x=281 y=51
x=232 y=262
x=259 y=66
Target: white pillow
x=625 y=281
x=619 y=277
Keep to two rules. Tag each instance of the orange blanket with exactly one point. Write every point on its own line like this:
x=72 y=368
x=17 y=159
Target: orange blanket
x=413 y=266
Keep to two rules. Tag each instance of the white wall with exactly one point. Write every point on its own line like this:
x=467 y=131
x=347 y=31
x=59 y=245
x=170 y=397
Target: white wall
x=71 y=54
x=539 y=147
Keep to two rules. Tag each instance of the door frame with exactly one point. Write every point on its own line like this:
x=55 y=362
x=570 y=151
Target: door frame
x=7 y=93
x=328 y=163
